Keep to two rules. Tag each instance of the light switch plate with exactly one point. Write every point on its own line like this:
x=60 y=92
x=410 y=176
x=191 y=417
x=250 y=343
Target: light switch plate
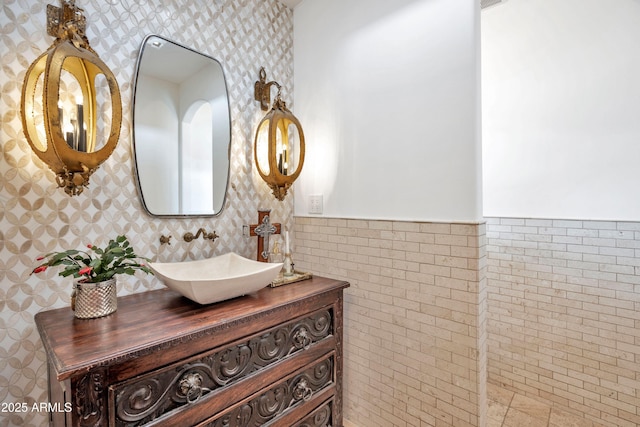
x=315 y=204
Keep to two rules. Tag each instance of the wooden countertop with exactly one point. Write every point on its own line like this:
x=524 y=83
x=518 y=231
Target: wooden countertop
x=147 y=320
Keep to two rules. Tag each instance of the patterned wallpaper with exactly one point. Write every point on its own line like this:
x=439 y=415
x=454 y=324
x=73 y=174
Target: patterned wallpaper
x=36 y=217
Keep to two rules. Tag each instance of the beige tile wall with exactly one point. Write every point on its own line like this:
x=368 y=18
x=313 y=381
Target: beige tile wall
x=564 y=314
x=415 y=340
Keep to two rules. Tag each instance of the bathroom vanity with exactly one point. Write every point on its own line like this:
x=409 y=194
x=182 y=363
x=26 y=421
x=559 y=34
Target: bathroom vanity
x=273 y=358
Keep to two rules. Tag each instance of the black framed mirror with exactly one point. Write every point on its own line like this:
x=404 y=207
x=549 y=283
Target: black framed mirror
x=181 y=130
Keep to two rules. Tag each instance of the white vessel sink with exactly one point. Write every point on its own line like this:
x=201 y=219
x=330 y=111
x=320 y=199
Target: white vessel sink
x=216 y=279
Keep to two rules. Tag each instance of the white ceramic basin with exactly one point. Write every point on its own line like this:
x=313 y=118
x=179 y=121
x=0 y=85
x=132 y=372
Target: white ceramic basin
x=216 y=279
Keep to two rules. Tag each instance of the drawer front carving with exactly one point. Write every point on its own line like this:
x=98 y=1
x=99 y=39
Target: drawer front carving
x=321 y=417
x=154 y=395
x=88 y=399
x=265 y=408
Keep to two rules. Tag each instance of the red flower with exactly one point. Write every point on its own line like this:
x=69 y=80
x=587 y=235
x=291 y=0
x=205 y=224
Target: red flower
x=40 y=258
x=90 y=246
x=40 y=269
x=85 y=271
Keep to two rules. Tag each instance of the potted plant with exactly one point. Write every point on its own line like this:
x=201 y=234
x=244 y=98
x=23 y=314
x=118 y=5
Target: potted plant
x=94 y=290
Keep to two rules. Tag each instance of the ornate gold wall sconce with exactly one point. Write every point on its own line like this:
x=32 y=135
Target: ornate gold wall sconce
x=63 y=120
x=279 y=143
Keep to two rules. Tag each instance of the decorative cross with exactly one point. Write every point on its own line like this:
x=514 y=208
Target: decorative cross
x=263 y=229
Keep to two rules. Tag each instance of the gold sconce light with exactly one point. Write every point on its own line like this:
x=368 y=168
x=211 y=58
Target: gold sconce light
x=279 y=143
x=67 y=95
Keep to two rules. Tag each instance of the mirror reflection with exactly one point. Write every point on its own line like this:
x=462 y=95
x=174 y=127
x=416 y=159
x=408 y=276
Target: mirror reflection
x=182 y=130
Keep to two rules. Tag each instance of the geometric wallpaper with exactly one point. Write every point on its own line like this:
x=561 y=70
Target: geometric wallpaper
x=36 y=217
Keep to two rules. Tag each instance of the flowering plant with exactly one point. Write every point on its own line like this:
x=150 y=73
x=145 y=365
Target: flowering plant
x=100 y=265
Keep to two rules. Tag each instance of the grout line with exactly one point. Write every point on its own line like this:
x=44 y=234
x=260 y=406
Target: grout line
x=508 y=407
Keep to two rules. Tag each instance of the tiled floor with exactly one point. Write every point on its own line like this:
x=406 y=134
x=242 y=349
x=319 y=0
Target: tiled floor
x=507 y=409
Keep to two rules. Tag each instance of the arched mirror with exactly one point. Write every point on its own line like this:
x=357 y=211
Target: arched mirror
x=181 y=130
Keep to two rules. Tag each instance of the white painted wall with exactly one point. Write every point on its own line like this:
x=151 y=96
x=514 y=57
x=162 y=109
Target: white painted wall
x=205 y=156
x=561 y=109
x=157 y=130
x=388 y=95
x=197 y=160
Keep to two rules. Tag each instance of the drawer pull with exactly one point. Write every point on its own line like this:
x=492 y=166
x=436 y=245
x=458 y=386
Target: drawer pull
x=301 y=339
x=190 y=386
x=302 y=391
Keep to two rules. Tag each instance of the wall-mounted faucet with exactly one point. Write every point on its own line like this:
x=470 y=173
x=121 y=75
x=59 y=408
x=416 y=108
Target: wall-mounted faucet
x=206 y=236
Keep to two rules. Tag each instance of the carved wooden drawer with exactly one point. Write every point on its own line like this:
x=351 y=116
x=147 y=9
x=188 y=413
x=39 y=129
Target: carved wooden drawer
x=320 y=417
x=161 y=392
x=271 y=358
x=290 y=393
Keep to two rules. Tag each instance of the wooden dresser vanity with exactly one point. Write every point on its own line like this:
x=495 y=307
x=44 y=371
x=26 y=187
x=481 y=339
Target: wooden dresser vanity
x=269 y=358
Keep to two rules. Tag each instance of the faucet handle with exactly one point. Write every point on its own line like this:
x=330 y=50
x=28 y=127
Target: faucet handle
x=165 y=239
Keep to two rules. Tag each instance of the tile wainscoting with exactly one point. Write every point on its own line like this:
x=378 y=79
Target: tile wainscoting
x=564 y=314
x=415 y=341
x=560 y=306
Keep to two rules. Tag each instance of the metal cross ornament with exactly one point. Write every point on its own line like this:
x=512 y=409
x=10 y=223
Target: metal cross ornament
x=263 y=230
